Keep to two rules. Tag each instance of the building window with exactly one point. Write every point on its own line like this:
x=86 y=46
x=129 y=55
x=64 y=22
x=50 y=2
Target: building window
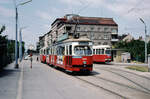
x=105 y=29
x=78 y=28
x=113 y=30
x=85 y=29
x=100 y=37
x=92 y=36
x=68 y=28
x=105 y=36
x=92 y=28
x=97 y=37
x=99 y=43
x=105 y=43
x=98 y=29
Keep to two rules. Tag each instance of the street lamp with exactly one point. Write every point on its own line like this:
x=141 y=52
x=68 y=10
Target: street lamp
x=20 y=43
x=16 y=39
x=145 y=39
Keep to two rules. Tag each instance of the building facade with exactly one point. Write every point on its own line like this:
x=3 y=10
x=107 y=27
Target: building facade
x=102 y=31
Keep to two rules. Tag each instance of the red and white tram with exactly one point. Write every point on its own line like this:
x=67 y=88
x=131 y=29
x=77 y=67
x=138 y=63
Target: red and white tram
x=43 y=55
x=71 y=54
x=102 y=53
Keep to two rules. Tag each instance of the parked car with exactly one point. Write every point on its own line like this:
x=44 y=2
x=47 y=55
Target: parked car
x=27 y=57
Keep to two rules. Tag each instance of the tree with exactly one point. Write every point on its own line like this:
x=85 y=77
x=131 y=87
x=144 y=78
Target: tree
x=7 y=49
x=135 y=47
x=3 y=48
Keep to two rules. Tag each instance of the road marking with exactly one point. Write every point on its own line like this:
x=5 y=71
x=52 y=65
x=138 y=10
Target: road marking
x=20 y=84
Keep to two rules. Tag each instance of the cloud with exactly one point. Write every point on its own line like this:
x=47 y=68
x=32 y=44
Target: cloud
x=83 y=2
x=70 y=2
x=44 y=15
x=124 y=8
x=6 y=12
x=4 y=1
x=129 y=8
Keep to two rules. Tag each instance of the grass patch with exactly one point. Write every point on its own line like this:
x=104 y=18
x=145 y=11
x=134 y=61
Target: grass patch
x=138 y=68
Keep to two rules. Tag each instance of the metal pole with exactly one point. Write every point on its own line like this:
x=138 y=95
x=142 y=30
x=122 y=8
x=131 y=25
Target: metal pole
x=145 y=39
x=145 y=45
x=148 y=62
x=16 y=40
x=20 y=45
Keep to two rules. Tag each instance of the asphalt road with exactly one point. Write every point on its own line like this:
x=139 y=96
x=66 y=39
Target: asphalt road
x=45 y=82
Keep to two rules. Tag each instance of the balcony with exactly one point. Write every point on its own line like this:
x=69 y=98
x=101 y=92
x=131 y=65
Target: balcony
x=114 y=40
x=114 y=33
x=62 y=37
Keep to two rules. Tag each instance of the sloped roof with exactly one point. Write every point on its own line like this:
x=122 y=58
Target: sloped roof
x=87 y=21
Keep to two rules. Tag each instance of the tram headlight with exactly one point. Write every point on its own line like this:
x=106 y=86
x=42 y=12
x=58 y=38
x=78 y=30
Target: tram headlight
x=84 y=62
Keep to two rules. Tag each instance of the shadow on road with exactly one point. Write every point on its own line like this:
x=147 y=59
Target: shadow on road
x=103 y=63
x=7 y=72
x=86 y=73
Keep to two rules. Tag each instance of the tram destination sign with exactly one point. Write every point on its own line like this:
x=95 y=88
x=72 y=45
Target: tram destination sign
x=84 y=43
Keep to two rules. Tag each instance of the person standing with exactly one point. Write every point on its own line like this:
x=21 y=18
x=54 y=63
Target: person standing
x=31 y=59
x=37 y=59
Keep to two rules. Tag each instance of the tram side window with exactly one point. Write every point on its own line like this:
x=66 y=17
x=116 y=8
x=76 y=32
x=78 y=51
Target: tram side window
x=54 y=52
x=70 y=49
x=67 y=50
x=99 y=51
x=50 y=51
x=93 y=51
x=47 y=51
x=57 y=50
x=102 y=51
x=44 y=51
x=96 y=51
x=41 y=51
x=63 y=50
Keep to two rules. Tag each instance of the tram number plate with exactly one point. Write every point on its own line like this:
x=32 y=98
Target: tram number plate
x=84 y=58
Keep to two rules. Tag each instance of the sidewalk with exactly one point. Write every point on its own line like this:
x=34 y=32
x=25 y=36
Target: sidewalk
x=9 y=82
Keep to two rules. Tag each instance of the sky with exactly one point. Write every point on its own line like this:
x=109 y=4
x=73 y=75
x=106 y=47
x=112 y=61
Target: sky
x=38 y=15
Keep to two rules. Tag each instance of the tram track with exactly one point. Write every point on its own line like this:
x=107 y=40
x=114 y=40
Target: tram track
x=98 y=86
x=118 y=74
x=122 y=85
x=123 y=95
x=90 y=83
x=128 y=72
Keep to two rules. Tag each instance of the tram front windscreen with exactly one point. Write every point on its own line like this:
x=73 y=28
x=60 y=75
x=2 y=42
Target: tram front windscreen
x=82 y=50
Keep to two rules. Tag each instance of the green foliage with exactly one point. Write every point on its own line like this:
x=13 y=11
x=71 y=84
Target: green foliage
x=7 y=49
x=135 y=47
x=2 y=29
x=3 y=48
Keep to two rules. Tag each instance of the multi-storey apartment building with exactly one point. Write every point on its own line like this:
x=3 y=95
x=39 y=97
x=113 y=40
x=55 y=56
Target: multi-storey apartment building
x=102 y=31
x=45 y=42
